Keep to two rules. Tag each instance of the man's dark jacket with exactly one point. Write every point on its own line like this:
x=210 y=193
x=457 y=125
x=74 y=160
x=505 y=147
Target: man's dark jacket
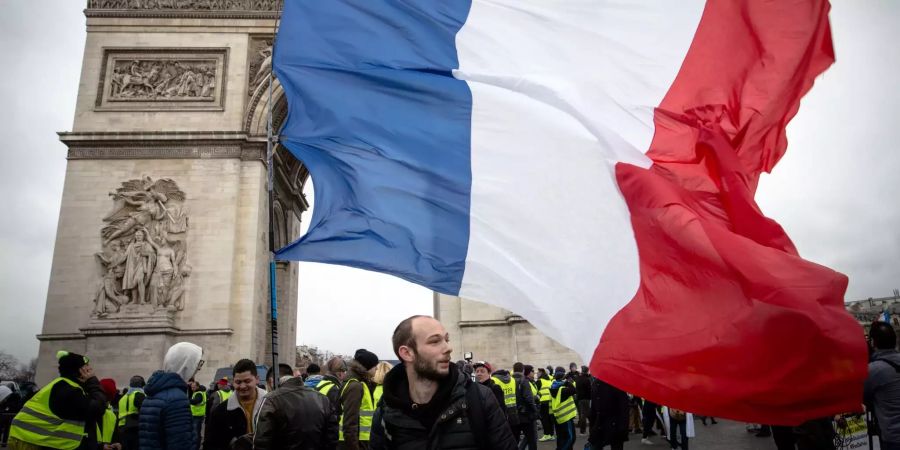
x=526 y=402
x=227 y=423
x=442 y=423
x=583 y=384
x=295 y=417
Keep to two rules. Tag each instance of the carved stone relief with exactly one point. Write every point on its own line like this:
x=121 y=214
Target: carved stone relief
x=144 y=251
x=259 y=63
x=162 y=79
x=195 y=5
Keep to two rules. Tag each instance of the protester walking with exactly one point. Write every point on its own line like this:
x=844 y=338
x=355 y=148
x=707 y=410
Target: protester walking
x=680 y=427
x=526 y=405
x=198 y=410
x=562 y=404
x=129 y=407
x=547 y=422
x=608 y=416
x=583 y=385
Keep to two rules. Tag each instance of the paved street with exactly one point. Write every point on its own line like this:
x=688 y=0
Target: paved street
x=726 y=435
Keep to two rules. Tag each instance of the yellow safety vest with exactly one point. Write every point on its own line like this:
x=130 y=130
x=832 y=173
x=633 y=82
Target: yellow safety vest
x=376 y=394
x=199 y=410
x=223 y=395
x=37 y=425
x=564 y=411
x=366 y=412
x=534 y=389
x=509 y=391
x=545 y=389
x=106 y=427
x=127 y=406
x=324 y=386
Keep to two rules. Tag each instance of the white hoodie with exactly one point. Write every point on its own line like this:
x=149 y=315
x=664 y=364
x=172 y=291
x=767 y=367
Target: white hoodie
x=183 y=358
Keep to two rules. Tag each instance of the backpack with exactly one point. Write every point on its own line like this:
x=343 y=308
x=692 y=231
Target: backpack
x=677 y=414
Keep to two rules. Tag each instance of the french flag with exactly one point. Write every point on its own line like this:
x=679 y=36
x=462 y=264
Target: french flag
x=590 y=165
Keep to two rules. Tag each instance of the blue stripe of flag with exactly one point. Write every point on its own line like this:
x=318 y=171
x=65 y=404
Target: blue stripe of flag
x=385 y=131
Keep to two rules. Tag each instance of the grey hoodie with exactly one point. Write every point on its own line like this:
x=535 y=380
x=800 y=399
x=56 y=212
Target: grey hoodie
x=882 y=391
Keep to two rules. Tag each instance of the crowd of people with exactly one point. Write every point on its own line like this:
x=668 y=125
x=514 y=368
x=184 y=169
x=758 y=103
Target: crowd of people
x=425 y=402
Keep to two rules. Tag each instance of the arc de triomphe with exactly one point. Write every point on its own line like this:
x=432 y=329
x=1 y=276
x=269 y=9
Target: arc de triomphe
x=163 y=228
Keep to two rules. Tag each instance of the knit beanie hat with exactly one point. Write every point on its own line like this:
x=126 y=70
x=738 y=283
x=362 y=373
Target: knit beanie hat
x=366 y=358
x=69 y=363
x=559 y=373
x=109 y=388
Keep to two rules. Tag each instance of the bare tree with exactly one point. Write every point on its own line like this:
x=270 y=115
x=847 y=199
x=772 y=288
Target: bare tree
x=9 y=366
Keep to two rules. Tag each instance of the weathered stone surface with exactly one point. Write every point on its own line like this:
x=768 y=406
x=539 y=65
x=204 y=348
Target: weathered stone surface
x=498 y=336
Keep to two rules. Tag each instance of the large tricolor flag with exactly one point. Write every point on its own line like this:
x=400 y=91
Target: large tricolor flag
x=590 y=165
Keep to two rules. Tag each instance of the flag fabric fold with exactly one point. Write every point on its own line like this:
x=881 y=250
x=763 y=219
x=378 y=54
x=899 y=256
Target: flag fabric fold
x=589 y=165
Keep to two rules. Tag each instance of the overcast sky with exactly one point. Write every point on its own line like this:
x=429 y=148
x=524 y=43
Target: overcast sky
x=835 y=192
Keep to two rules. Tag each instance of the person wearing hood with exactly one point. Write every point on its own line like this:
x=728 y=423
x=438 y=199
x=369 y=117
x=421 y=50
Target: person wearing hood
x=129 y=407
x=332 y=382
x=526 y=404
x=357 y=404
x=231 y=424
x=64 y=413
x=428 y=404
x=295 y=417
x=562 y=405
x=165 y=420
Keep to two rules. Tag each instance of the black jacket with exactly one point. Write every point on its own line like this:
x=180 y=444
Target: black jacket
x=526 y=401
x=71 y=403
x=295 y=417
x=609 y=414
x=583 y=384
x=443 y=423
x=227 y=423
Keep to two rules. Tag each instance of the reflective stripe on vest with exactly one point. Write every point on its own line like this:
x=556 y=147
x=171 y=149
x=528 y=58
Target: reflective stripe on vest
x=37 y=425
x=324 y=386
x=106 y=427
x=366 y=412
x=545 y=390
x=127 y=406
x=376 y=394
x=509 y=391
x=563 y=411
x=199 y=410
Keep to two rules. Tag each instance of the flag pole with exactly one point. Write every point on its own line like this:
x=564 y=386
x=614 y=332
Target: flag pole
x=270 y=187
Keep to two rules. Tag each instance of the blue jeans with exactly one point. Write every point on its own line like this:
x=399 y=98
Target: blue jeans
x=198 y=427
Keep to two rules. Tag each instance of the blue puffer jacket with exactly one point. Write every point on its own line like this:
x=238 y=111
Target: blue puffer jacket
x=165 y=418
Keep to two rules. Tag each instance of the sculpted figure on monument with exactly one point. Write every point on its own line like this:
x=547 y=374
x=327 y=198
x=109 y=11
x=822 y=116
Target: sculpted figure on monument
x=110 y=296
x=140 y=259
x=162 y=79
x=144 y=250
x=187 y=5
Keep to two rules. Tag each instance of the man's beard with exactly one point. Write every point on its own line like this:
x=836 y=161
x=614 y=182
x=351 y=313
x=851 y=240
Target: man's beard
x=428 y=371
